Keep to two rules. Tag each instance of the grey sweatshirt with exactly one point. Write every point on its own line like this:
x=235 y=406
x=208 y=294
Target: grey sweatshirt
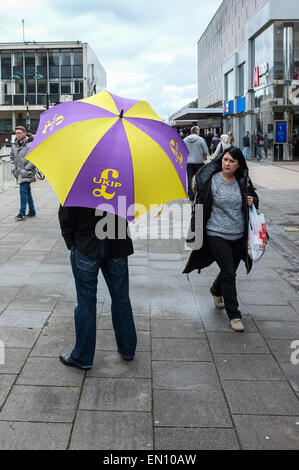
x=227 y=219
x=197 y=147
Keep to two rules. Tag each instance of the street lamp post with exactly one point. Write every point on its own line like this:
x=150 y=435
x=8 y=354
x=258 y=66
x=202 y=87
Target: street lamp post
x=18 y=76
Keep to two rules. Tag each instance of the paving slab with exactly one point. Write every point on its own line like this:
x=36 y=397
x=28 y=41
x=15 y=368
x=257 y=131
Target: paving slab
x=102 y=430
x=49 y=371
x=173 y=349
x=6 y=382
x=195 y=439
x=181 y=408
x=14 y=360
x=268 y=432
x=265 y=398
x=60 y=326
x=41 y=404
x=281 y=349
x=184 y=375
x=52 y=345
x=164 y=328
x=292 y=373
x=19 y=337
x=24 y=318
x=240 y=343
x=279 y=330
x=248 y=367
x=34 y=436
x=281 y=313
x=116 y=395
x=262 y=298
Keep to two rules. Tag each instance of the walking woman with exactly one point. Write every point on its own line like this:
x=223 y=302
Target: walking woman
x=224 y=188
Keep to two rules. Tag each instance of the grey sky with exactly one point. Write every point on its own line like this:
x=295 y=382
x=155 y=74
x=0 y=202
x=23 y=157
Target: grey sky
x=148 y=49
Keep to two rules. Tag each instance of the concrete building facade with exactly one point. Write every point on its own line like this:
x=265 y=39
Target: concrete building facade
x=250 y=55
x=34 y=76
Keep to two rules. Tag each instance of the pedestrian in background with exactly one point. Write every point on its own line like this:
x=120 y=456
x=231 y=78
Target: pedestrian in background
x=24 y=171
x=222 y=146
x=226 y=192
x=198 y=152
x=231 y=138
x=246 y=145
x=209 y=139
x=266 y=145
x=89 y=254
x=215 y=142
x=260 y=145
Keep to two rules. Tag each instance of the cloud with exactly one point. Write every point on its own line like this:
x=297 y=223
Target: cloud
x=148 y=49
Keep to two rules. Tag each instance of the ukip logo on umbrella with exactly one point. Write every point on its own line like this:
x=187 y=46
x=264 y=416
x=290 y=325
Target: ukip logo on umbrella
x=104 y=148
x=105 y=183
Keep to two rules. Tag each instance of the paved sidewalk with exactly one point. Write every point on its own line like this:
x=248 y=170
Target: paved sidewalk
x=194 y=384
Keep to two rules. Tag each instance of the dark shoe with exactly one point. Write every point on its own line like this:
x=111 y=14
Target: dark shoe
x=19 y=217
x=31 y=214
x=126 y=358
x=67 y=361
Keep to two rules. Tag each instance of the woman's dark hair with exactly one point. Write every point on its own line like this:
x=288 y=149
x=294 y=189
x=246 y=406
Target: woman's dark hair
x=237 y=154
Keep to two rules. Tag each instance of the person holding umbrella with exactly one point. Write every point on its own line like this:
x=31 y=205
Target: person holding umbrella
x=89 y=255
x=224 y=188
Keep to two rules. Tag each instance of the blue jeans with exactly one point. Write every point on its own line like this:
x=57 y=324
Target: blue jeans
x=245 y=152
x=26 y=198
x=116 y=274
x=260 y=152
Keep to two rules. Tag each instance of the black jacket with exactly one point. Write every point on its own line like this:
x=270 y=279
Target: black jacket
x=202 y=258
x=78 y=228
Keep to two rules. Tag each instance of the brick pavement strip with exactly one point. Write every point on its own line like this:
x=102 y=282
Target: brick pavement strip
x=194 y=383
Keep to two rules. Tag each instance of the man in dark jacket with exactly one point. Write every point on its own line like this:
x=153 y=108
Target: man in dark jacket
x=94 y=247
x=24 y=171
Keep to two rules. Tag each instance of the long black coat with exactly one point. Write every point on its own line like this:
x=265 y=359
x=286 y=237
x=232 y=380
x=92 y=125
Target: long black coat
x=202 y=258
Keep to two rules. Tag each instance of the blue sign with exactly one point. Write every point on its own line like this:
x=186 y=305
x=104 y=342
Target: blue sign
x=228 y=107
x=281 y=132
x=241 y=105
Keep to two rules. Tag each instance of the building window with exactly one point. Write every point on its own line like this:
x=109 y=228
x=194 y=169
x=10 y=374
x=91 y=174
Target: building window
x=229 y=93
x=78 y=87
x=66 y=87
x=42 y=63
x=241 y=79
x=6 y=66
x=66 y=57
x=54 y=58
x=78 y=57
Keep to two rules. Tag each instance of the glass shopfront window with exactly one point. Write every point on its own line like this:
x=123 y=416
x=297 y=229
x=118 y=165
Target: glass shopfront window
x=241 y=71
x=278 y=48
x=229 y=86
x=296 y=51
x=263 y=55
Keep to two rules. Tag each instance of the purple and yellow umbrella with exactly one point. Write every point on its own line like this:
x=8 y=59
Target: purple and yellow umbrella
x=106 y=149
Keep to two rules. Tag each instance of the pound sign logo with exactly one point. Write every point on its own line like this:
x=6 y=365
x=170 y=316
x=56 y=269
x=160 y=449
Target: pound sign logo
x=57 y=120
x=106 y=183
x=178 y=155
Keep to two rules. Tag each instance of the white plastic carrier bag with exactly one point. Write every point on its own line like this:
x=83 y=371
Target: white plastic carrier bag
x=257 y=234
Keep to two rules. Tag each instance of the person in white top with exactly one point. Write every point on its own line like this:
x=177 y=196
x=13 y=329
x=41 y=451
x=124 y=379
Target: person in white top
x=223 y=145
